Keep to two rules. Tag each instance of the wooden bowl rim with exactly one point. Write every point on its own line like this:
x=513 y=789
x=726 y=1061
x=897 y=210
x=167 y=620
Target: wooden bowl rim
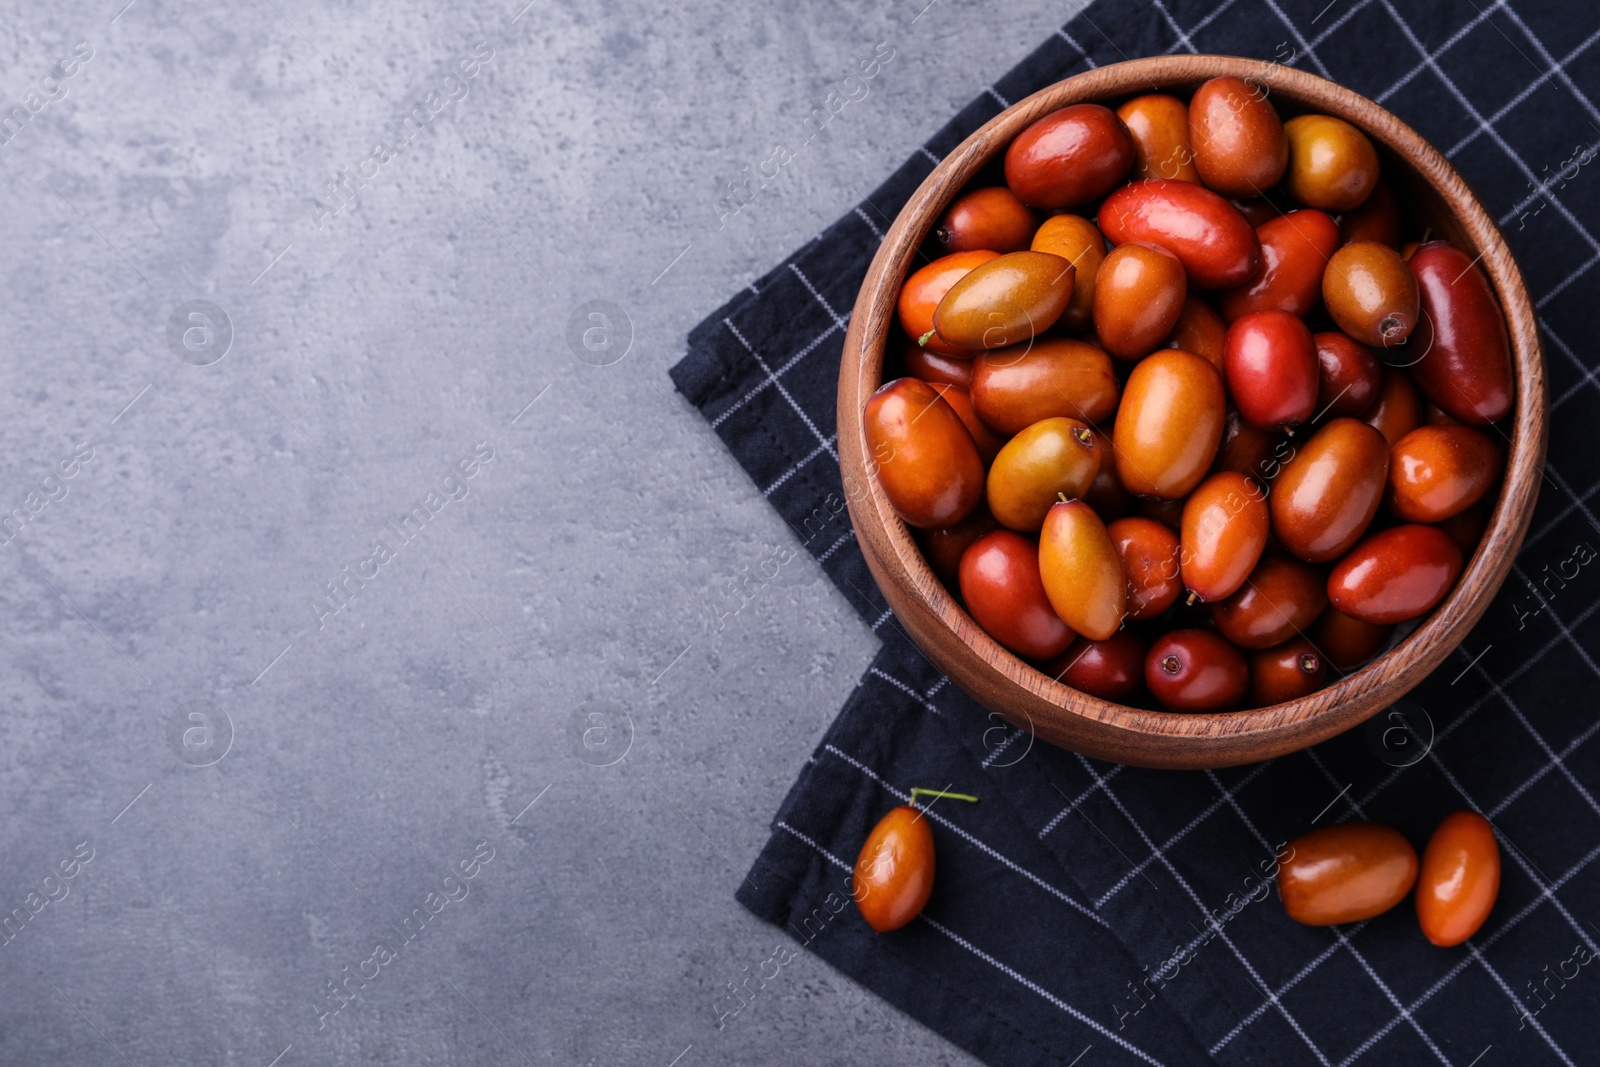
x=1281 y=727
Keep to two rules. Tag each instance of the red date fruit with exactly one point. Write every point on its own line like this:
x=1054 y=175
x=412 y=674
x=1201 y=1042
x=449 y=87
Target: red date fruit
x=1395 y=575
x=1081 y=570
x=1217 y=247
x=1013 y=388
x=1071 y=156
x=1196 y=671
x=1001 y=587
x=1287 y=672
x=1295 y=249
x=893 y=876
x=1239 y=145
x=1168 y=424
x=1247 y=449
x=1349 y=375
x=1168 y=513
x=1149 y=554
x=1282 y=598
x=991 y=218
x=920 y=296
x=1225 y=522
x=1005 y=301
x=1106 y=495
x=989 y=443
x=1467 y=372
x=1257 y=210
x=1466 y=529
x=1271 y=368
x=944 y=547
x=926 y=460
x=1436 y=472
x=1434 y=415
x=936 y=368
x=1398 y=409
x=1112 y=669
x=1138 y=298
x=1329 y=492
x=1349 y=642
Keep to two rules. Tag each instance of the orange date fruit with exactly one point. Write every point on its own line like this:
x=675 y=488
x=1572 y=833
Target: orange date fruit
x=1224 y=532
x=1349 y=642
x=1160 y=127
x=920 y=296
x=1329 y=492
x=1239 y=143
x=1459 y=880
x=1005 y=301
x=1082 y=572
x=1013 y=388
x=1295 y=249
x=1168 y=425
x=989 y=443
x=1138 y=299
x=1332 y=165
x=1345 y=873
x=1149 y=554
x=1199 y=330
x=937 y=368
x=1436 y=472
x=926 y=460
x=1075 y=240
x=1398 y=409
x=893 y=876
x=1371 y=294
x=1377 y=219
x=1248 y=449
x=1051 y=458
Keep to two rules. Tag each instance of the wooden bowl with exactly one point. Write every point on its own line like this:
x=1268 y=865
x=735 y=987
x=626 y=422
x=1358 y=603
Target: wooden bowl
x=1434 y=194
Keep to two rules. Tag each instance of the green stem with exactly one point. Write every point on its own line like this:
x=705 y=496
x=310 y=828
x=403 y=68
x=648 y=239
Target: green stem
x=941 y=793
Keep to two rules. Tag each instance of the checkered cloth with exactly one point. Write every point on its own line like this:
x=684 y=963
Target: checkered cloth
x=1088 y=912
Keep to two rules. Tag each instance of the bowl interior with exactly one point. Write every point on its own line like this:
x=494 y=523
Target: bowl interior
x=1433 y=196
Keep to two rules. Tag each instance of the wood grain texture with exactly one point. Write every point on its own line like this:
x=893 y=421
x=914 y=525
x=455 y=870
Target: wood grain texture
x=1431 y=191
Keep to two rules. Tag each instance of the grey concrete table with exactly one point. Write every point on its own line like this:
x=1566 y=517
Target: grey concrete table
x=364 y=698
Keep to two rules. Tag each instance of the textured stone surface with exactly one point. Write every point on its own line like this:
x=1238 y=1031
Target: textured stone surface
x=373 y=348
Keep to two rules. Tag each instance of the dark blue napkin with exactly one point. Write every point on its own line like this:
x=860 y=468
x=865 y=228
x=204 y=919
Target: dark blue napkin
x=1090 y=913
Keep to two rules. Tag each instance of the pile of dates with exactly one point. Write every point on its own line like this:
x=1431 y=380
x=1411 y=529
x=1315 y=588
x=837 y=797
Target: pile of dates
x=1184 y=416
